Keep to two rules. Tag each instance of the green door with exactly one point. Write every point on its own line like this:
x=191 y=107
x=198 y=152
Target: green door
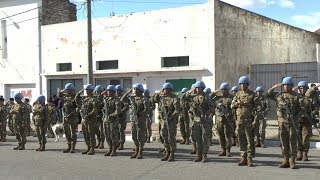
x=178 y=84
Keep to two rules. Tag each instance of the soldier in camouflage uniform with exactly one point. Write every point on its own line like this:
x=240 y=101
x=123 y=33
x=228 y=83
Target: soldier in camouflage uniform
x=52 y=118
x=244 y=104
x=235 y=139
x=210 y=93
x=10 y=121
x=28 y=120
x=223 y=114
x=122 y=117
x=260 y=116
x=151 y=106
x=40 y=120
x=184 y=119
x=88 y=106
x=100 y=131
x=70 y=121
x=19 y=112
x=305 y=121
x=169 y=106
x=201 y=109
x=111 y=110
x=287 y=112
x=3 y=120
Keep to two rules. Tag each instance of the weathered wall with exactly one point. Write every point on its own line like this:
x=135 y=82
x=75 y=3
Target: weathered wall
x=243 y=38
x=58 y=11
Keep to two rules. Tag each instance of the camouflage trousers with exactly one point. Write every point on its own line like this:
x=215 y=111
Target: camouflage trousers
x=305 y=132
x=246 y=139
x=3 y=129
x=184 y=124
x=100 y=131
x=202 y=133
x=41 y=133
x=225 y=133
x=139 y=133
x=111 y=132
x=11 y=124
x=122 y=128
x=28 y=126
x=70 y=128
x=20 y=131
x=288 y=138
x=149 y=126
x=260 y=130
x=89 y=128
x=169 y=138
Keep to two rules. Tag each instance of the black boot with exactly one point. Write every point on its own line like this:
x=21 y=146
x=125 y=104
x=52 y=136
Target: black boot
x=68 y=148
x=86 y=151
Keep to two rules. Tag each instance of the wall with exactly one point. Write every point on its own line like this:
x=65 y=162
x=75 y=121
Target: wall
x=58 y=11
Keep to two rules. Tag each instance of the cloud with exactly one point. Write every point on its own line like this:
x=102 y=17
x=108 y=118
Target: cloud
x=309 y=22
x=286 y=4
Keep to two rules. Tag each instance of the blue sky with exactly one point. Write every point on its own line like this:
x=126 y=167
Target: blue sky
x=304 y=14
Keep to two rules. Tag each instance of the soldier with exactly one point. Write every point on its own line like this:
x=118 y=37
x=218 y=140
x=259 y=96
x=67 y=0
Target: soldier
x=243 y=103
x=287 y=111
x=88 y=106
x=19 y=112
x=122 y=117
x=201 y=109
x=169 y=106
x=10 y=121
x=100 y=132
x=3 y=120
x=28 y=120
x=223 y=112
x=149 y=103
x=184 y=119
x=260 y=116
x=235 y=139
x=111 y=110
x=305 y=121
x=40 y=120
x=70 y=121
x=52 y=118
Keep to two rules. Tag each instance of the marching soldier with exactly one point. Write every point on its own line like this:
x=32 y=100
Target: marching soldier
x=28 y=120
x=122 y=117
x=287 y=112
x=40 y=120
x=260 y=115
x=99 y=130
x=149 y=103
x=201 y=109
x=184 y=119
x=243 y=103
x=70 y=121
x=3 y=120
x=169 y=106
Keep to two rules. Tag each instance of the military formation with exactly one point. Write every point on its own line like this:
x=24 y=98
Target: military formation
x=238 y=115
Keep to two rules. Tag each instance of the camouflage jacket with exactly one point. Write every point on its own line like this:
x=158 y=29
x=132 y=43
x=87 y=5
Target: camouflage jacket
x=306 y=109
x=69 y=107
x=315 y=98
x=262 y=106
x=168 y=106
x=223 y=107
x=3 y=113
x=52 y=109
x=201 y=108
x=29 y=109
x=245 y=104
x=111 y=109
x=88 y=106
x=40 y=114
x=19 y=113
x=138 y=108
x=123 y=108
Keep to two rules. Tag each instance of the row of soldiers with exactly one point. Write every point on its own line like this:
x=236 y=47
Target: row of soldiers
x=236 y=115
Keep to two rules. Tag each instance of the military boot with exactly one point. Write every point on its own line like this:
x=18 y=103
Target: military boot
x=183 y=141
x=101 y=145
x=204 y=158
x=299 y=156
x=258 y=143
x=135 y=154
x=39 y=147
x=223 y=152
x=171 y=156
x=109 y=152
x=3 y=139
x=166 y=157
x=42 y=147
x=113 y=152
x=97 y=146
x=86 y=151
x=16 y=148
x=285 y=163
x=250 y=162
x=293 y=163
x=91 y=151
x=68 y=149
x=199 y=158
x=140 y=153
x=305 y=156
x=21 y=147
x=243 y=162
x=228 y=153
x=194 y=150
x=120 y=146
x=73 y=146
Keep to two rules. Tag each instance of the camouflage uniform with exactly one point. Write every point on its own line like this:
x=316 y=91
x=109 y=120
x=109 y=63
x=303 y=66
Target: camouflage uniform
x=122 y=122
x=70 y=121
x=260 y=118
x=28 y=120
x=151 y=106
x=19 y=113
x=100 y=132
x=3 y=122
x=201 y=109
x=184 y=121
x=10 y=120
x=40 y=120
x=52 y=118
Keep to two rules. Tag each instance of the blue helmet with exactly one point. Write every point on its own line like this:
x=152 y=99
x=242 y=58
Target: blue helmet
x=146 y=91
x=303 y=84
x=235 y=88
x=207 y=90
x=259 y=89
x=98 y=88
x=119 y=88
x=200 y=84
x=167 y=86
x=41 y=98
x=69 y=86
x=111 y=88
x=244 y=80
x=138 y=86
x=184 y=90
x=225 y=86
x=18 y=96
x=288 y=81
x=89 y=87
x=193 y=86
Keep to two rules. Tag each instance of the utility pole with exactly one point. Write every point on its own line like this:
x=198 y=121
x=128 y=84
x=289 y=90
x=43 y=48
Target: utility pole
x=90 y=71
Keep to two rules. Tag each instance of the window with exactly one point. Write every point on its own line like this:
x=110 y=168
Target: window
x=102 y=65
x=175 y=61
x=64 y=67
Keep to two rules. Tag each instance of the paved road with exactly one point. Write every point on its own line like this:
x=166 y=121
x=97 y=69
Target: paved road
x=53 y=164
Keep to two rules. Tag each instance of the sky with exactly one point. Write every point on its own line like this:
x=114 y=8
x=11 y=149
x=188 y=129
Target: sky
x=304 y=14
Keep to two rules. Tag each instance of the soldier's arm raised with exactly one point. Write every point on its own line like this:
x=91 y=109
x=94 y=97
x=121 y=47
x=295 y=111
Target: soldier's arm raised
x=271 y=94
